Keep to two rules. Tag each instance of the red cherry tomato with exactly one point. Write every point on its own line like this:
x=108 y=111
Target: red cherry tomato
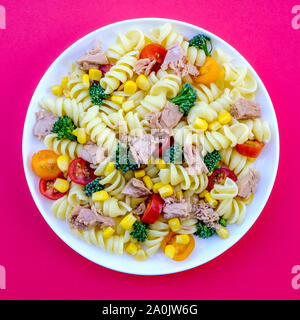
x=154 y=207
x=47 y=189
x=250 y=148
x=164 y=142
x=105 y=67
x=80 y=172
x=155 y=52
x=218 y=176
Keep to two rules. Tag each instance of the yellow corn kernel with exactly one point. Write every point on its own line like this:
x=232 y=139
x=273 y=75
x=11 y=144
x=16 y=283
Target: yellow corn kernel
x=170 y=251
x=160 y=163
x=128 y=105
x=179 y=194
x=202 y=194
x=63 y=163
x=140 y=255
x=95 y=74
x=57 y=90
x=200 y=124
x=139 y=173
x=61 y=185
x=210 y=199
x=127 y=222
x=110 y=167
x=224 y=117
x=131 y=248
x=214 y=126
x=81 y=135
x=100 y=196
x=222 y=232
x=182 y=239
x=64 y=82
x=117 y=99
x=148 y=182
x=174 y=224
x=143 y=83
x=86 y=79
x=130 y=87
x=251 y=159
x=108 y=232
x=166 y=191
x=156 y=186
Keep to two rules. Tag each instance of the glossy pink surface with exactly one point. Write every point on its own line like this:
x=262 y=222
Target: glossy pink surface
x=38 y=264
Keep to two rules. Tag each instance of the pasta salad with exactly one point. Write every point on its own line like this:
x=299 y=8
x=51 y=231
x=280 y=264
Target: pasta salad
x=151 y=144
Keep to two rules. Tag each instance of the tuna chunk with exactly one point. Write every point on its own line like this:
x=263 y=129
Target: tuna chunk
x=176 y=61
x=205 y=213
x=140 y=209
x=248 y=183
x=244 y=109
x=144 y=66
x=136 y=189
x=84 y=219
x=91 y=153
x=167 y=119
x=174 y=208
x=45 y=122
x=142 y=147
x=93 y=58
x=194 y=160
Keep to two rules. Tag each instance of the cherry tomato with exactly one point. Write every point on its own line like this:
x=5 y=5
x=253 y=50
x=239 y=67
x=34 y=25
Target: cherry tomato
x=80 y=172
x=209 y=72
x=165 y=142
x=155 y=52
x=105 y=67
x=47 y=189
x=44 y=164
x=182 y=251
x=250 y=148
x=154 y=207
x=219 y=175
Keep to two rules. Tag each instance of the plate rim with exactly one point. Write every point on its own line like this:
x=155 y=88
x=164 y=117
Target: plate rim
x=181 y=267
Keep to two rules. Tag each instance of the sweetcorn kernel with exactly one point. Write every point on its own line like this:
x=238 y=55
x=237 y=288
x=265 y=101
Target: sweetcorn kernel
x=63 y=162
x=157 y=186
x=174 y=224
x=140 y=255
x=222 y=232
x=143 y=83
x=127 y=222
x=130 y=87
x=166 y=191
x=182 y=239
x=86 y=79
x=108 y=232
x=139 y=173
x=57 y=90
x=214 y=126
x=117 y=99
x=170 y=251
x=110 y=167
x=160 y=163
x=148 y=182
x=131 y=248
x=81 y=135
x=179 y=194
x=61 y=185
x=200 y=124
x=95 y=74
x=100 y=196
x=64 y=82
x=210 y=199
x=224 y=117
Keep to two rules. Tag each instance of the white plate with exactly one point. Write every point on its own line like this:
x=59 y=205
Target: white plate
x=205 y=250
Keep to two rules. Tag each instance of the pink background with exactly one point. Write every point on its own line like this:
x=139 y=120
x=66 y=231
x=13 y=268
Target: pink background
x=38 y=264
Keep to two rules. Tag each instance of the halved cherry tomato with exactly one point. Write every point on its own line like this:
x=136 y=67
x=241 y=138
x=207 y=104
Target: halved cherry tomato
x=250 y=148
x=47 y=189
x=219 y=175
x=154 y=207
x=80 y=172
x=44 y=164
x=155 y=52
x=105 y=67
x=164 y=142
x=209 y=72
x=182 y=251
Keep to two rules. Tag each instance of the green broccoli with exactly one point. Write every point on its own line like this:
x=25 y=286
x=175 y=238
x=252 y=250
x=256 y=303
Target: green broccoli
x=174 y=154
x=92 y=187
x=64 y=127
x=185 y=99
x=140 y=231
x=223 y=222
x=201 y=41
x=124 y=159
x=211 y=160
x=203 y=231
x=97 y=94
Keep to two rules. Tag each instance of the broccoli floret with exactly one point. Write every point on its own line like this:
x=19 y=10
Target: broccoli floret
x=97 y=94
x=140 y=231
x=124 y=159
x=186 y=99
x=174 y=154
x=201 y=41
x=92 y=187
x=203 y=231
x=64 y=127
x=223 y=222
x=211 y=160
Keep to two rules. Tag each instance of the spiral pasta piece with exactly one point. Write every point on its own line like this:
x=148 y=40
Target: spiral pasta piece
x=112 y=207
x=61 y=208
x=259 y=129
x=232 y=210
x=63 y=146
x=120 y=72
x=227 y=191
x=188 y=226
x=77 y=196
